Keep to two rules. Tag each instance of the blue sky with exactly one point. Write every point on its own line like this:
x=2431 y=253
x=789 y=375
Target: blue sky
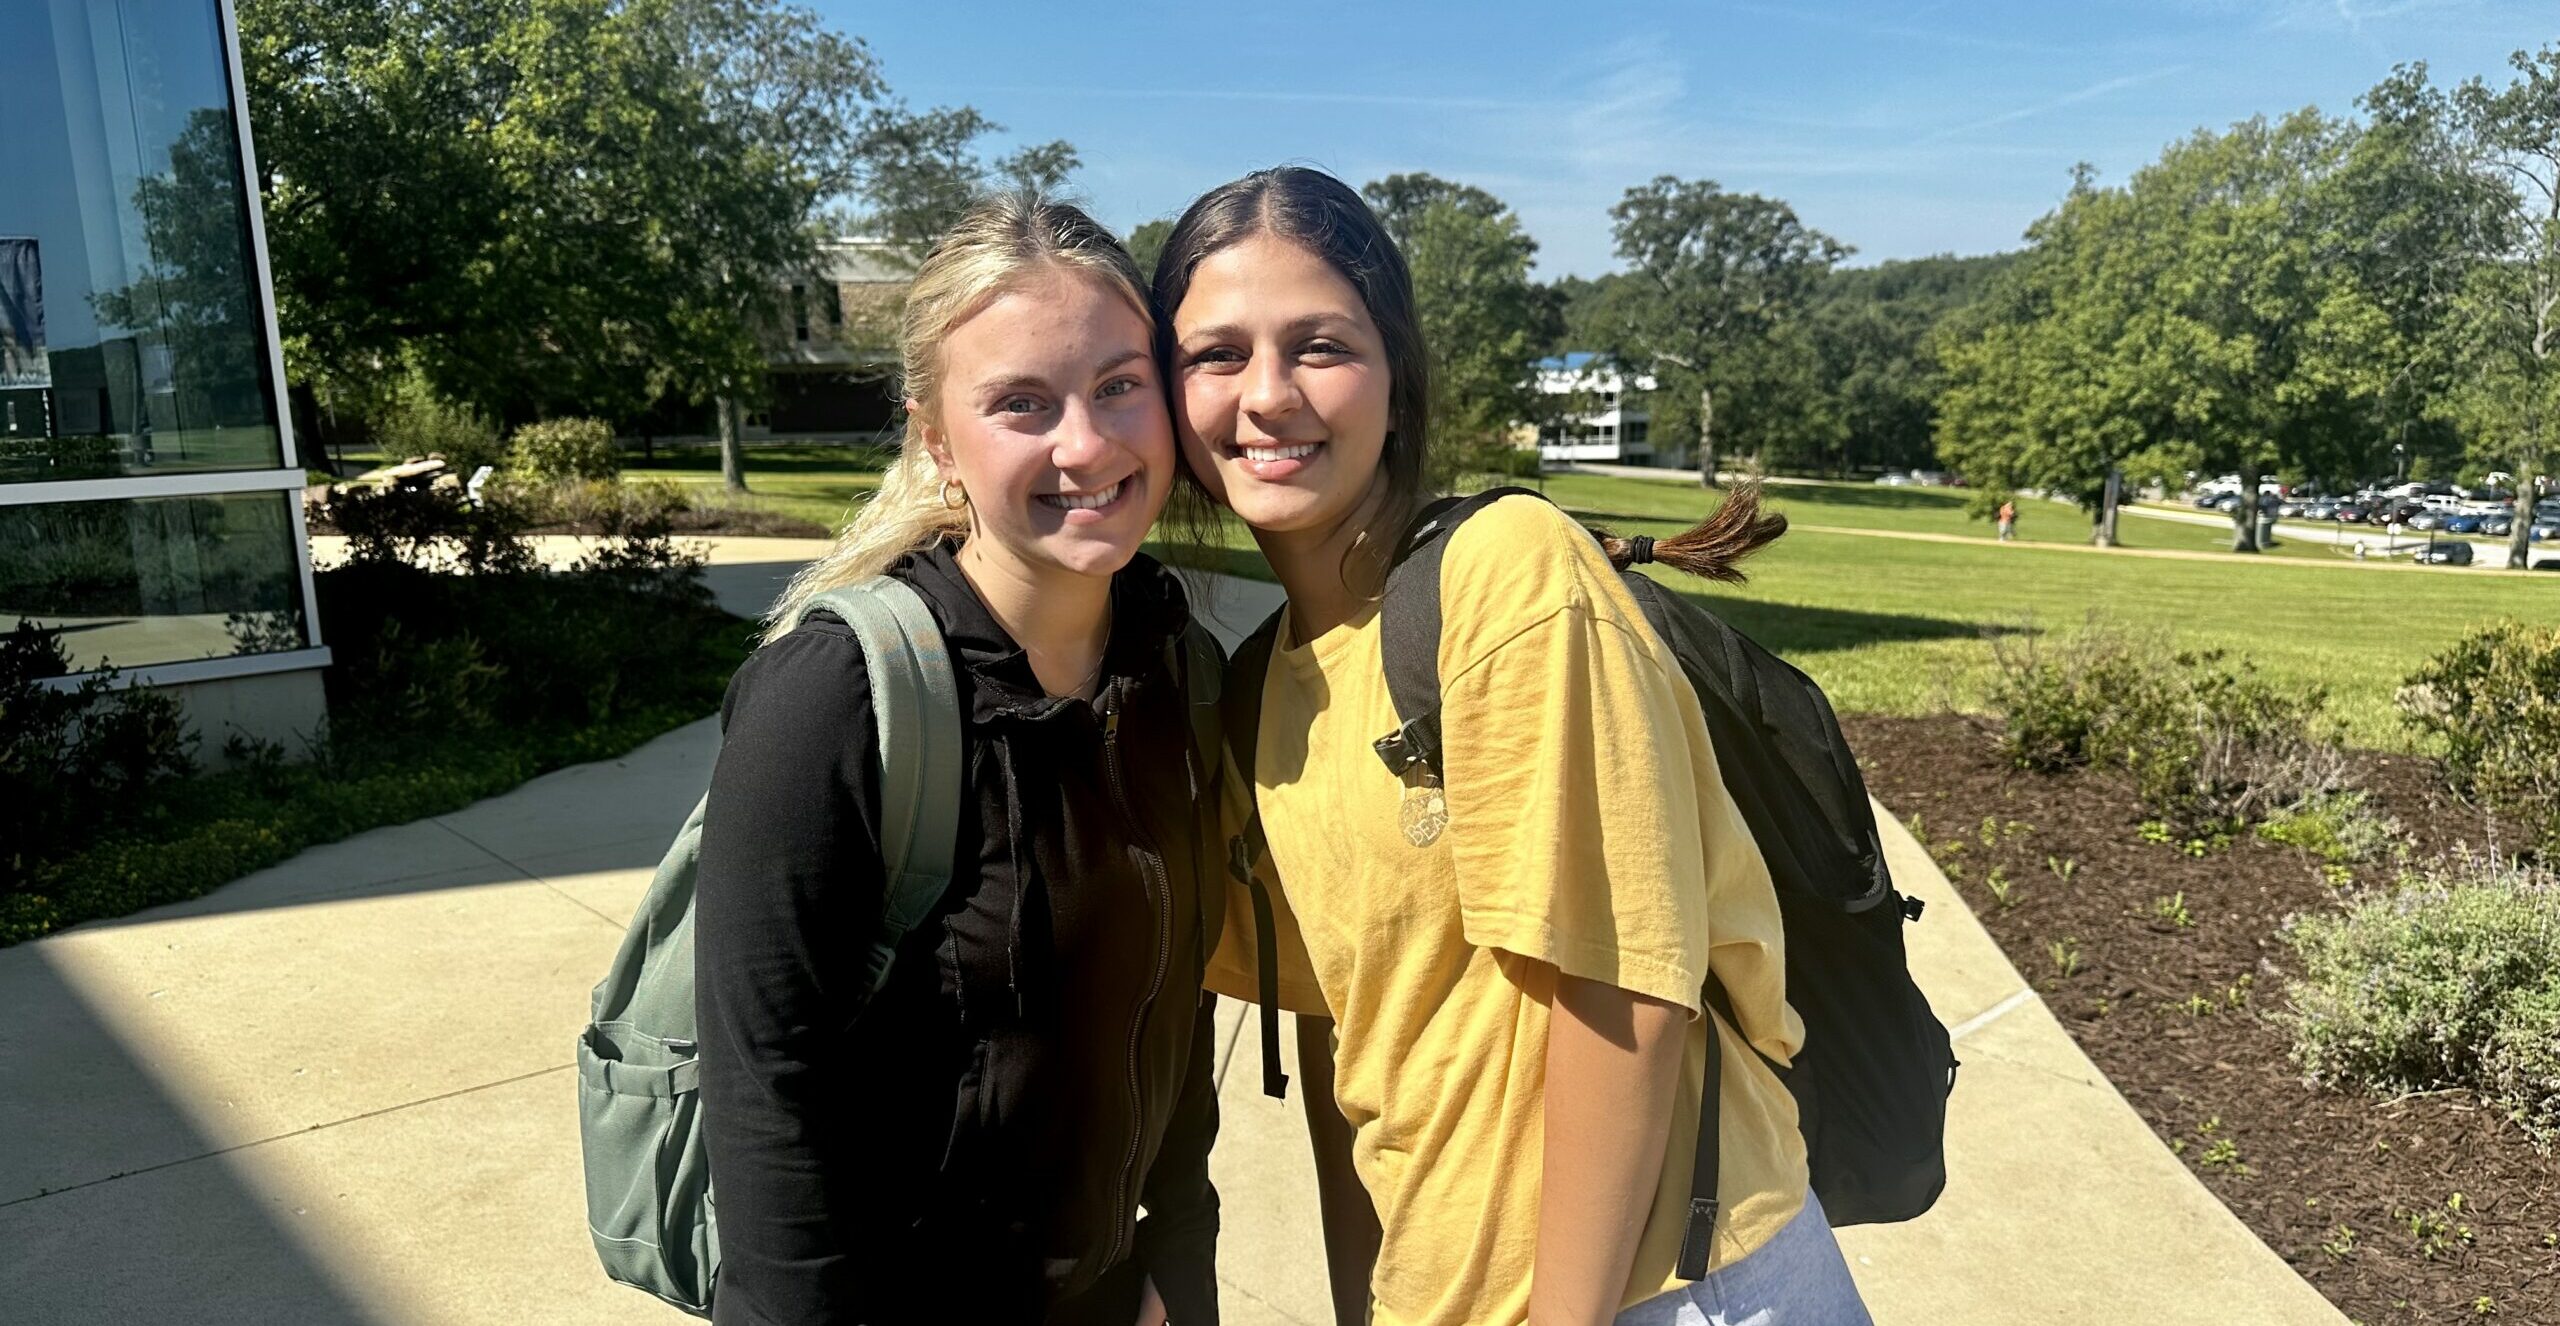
x=1901 y=127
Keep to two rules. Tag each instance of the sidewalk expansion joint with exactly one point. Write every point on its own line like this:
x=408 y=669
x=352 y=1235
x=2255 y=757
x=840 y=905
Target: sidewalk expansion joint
x=2017 y=999
x=298 y=1132
x=501 y=859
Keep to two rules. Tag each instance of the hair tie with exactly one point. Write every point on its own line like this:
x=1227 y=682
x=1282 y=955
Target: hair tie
x=1639 y=549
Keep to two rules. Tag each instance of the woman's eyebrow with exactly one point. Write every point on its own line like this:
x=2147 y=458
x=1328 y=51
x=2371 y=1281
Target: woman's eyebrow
x=1298 y=326
x=1011 y=383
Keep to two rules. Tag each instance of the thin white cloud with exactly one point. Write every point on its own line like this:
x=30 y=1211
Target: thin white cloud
x=1904 y=31
x=2089 y=93
x=1130 y=93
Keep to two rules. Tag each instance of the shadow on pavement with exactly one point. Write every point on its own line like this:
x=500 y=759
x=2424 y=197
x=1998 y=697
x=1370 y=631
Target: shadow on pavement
x=171 y=1232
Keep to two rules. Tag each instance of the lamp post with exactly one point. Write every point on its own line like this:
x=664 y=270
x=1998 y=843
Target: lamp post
x=2399 y=462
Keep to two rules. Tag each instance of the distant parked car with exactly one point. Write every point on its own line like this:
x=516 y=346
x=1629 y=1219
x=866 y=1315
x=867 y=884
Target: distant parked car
x=1896 y=479
x=2426 y=519
x=2348 y=512
x=2448 y=552
x=2497 y=526
x=2324 y=509
x=2460 y=523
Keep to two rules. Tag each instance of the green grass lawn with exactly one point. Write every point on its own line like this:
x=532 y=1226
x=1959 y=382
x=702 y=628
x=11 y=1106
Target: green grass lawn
x=1910 y=511
x=821 y=484
x=1903 y=626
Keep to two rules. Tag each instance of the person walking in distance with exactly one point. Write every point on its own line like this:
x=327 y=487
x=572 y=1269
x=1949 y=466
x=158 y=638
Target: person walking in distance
x=2008 y=519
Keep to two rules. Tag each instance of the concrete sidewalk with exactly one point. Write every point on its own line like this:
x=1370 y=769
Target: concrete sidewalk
x=341 y=1090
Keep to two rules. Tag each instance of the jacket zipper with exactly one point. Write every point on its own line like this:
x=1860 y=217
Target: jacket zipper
x=1162 y=898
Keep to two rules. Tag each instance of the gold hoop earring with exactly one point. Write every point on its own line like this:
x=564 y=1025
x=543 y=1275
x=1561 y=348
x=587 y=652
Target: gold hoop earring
x=951 y=503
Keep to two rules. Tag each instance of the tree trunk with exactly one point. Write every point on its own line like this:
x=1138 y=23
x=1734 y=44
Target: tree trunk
x=2244 y=519
x=1707 y=437
x=2103 y=534
x=733 y=448
x=2520 y=538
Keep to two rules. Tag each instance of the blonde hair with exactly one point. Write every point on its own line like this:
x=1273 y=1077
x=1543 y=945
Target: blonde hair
x=1001 y=239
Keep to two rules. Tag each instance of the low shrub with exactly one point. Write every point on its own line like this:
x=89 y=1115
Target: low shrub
x=420 y=648
x=74 y=762
x=2450 y=979
x=2339 y=827
x=2202 y=739
x=642 y=508
x=415 y=422
x=430 y=528
x=2493 y=701
x=2069 y=702
x=449 y=686
x=564 y=449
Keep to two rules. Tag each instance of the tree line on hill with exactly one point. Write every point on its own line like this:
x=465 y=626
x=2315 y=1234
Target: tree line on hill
x=545 y=207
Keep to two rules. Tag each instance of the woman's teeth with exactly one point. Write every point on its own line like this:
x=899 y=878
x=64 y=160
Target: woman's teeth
x=1083 y=501
x=1291 y=451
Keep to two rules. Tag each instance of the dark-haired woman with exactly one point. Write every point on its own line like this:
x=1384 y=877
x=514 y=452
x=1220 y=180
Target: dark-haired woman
x=1519 y=1046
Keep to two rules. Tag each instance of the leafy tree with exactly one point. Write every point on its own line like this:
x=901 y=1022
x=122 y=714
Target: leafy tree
x=1874 y=352
x=1146 y=244
x=2206 y=314
x=571 y=206
x=1483 y=318
x=1713 y=273
x=919 y=170
x=2507 y=394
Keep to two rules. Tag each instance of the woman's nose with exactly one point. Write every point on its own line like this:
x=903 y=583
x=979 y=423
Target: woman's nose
x=1080 y=439
x=1269 y=390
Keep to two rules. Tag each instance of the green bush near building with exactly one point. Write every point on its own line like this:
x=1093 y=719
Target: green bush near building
x=462 y=670
x=564 y=449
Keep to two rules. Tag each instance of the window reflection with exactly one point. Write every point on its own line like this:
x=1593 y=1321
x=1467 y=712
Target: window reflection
x=155 y=580
x=130 y=335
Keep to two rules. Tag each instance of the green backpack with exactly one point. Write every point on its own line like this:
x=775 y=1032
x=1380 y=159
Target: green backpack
x=649 y=1203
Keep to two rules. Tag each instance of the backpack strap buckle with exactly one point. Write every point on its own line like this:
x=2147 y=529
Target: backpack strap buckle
x=1414 y=745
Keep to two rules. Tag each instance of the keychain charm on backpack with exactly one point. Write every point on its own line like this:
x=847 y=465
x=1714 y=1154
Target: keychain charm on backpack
x=1423 y=811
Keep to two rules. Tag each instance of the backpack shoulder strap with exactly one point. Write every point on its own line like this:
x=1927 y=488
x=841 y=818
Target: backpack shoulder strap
x=915 y=701
x=1409 y=628
x=1241 y=708
x=1200 y=665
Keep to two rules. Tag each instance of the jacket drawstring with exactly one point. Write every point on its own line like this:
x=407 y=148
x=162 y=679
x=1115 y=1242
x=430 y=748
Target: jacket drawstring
x=1021 y=872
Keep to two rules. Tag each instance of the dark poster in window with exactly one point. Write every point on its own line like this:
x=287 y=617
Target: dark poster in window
x=22 y=357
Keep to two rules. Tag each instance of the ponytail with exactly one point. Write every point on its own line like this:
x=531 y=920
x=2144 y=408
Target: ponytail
x=1713 y=549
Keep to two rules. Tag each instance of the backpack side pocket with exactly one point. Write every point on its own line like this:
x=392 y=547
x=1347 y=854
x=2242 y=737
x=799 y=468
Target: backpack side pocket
x=648 y=1179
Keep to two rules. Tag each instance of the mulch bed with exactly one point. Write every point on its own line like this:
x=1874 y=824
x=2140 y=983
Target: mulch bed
x=2178 y=1016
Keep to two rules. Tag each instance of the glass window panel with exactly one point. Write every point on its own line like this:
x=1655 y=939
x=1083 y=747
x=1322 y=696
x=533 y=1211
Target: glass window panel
x=140 y=581
x=132 y=325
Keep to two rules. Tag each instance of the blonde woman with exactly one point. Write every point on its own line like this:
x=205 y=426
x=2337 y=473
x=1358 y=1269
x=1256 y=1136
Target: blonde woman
x=978 y=1144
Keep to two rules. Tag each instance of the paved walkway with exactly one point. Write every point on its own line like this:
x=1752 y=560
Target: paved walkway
x=339 y=1091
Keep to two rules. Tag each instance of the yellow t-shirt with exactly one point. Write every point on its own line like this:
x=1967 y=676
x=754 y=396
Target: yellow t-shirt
x=1589 y=832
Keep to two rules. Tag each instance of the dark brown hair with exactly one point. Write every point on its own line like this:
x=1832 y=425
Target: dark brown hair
x=1325 y=216
x=1714 y=547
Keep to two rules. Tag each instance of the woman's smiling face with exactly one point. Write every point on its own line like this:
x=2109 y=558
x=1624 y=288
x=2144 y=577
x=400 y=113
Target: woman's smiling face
x=1050 y=415
x=1283 y=393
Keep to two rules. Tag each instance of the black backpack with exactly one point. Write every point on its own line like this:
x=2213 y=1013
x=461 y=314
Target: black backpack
x=1872 y=1080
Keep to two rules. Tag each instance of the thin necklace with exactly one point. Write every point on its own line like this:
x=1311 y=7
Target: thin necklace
x=1077 y=691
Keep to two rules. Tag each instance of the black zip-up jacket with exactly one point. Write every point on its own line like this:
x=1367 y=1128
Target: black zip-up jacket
x=975 y=1147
